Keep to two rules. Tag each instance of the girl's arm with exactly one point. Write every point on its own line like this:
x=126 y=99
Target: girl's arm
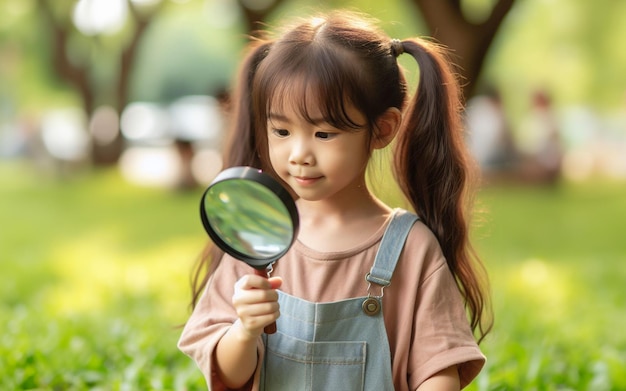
x=256 y=303
x=235 y=357
x=445 y=380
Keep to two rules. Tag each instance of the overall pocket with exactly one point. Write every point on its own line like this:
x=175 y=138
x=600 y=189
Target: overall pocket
x=294 y=364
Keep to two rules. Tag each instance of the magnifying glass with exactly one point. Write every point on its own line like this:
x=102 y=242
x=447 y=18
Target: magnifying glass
x=250 y=216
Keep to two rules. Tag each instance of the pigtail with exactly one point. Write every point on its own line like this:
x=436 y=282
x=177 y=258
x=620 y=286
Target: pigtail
x=241 y=150
x=434 y=171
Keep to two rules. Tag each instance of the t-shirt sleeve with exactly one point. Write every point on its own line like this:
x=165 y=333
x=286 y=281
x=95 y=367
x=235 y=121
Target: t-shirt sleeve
x=211 y=319
x=442 y=336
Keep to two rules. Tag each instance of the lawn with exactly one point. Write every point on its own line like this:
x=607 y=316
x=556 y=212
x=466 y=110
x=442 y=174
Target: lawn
x=556 y=260
x=94 y=282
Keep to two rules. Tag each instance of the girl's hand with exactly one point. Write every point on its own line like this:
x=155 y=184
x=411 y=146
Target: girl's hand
x=256 y=302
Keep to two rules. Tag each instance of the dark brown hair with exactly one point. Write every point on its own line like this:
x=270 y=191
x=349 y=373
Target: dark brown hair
x=342 y=57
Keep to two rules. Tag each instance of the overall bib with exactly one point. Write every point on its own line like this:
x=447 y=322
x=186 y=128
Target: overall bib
x=339 y=345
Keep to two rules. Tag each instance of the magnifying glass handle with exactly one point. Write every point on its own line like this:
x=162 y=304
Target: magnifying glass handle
x=270 y=328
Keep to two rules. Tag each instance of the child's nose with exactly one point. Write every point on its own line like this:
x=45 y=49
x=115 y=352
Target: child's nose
x=301 y=153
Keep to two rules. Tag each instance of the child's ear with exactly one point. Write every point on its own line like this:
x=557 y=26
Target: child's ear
x=387 y=125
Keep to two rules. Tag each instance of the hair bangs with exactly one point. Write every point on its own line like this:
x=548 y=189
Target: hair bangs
x=317 y=83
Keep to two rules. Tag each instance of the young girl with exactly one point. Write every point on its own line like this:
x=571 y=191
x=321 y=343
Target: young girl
x=369 y=298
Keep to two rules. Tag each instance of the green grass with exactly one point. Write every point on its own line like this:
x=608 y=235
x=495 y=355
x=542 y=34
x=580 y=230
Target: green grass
x=94 y=283
x=94 y=280
x=556 y=261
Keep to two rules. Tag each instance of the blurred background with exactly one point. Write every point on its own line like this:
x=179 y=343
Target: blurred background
x=112 y=118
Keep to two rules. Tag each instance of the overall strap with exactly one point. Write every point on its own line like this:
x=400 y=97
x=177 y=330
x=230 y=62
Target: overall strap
x=391 y=247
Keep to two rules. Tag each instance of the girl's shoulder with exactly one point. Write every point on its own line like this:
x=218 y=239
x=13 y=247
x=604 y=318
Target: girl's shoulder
x=420 y=234
x=422 y=252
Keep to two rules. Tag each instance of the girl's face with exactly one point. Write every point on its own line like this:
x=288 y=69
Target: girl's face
x=317 y=160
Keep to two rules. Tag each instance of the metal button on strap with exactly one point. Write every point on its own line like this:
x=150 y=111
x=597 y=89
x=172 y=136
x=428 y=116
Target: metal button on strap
x=371 y=306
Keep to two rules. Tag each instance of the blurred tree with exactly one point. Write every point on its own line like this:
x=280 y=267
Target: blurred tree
x=466 y=27
x=75 y=55
x=79 y=67
x=99 y=68
x=467 y=30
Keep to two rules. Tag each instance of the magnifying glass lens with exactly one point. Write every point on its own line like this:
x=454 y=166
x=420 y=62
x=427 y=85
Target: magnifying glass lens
x=248 y=217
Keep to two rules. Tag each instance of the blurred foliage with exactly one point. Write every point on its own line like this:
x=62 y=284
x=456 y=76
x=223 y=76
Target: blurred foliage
x=569 y=47
x=27 y=84
x=193 y=56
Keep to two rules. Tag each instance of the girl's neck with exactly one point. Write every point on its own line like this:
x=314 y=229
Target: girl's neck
x=340 y=224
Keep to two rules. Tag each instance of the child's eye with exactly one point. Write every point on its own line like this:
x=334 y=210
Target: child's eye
x=325 y=135
x=280 y=132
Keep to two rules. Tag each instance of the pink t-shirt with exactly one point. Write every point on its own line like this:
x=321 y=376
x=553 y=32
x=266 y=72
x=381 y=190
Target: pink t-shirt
x=423 y=310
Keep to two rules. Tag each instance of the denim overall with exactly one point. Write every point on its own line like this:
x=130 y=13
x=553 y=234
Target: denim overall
x=338 y=345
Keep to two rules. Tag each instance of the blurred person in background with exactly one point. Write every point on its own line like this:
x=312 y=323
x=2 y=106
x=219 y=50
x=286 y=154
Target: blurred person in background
x=489 y=137
x=540 y=142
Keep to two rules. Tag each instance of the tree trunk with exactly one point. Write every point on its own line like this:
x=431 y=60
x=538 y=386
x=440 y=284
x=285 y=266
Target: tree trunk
x=468 y=42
